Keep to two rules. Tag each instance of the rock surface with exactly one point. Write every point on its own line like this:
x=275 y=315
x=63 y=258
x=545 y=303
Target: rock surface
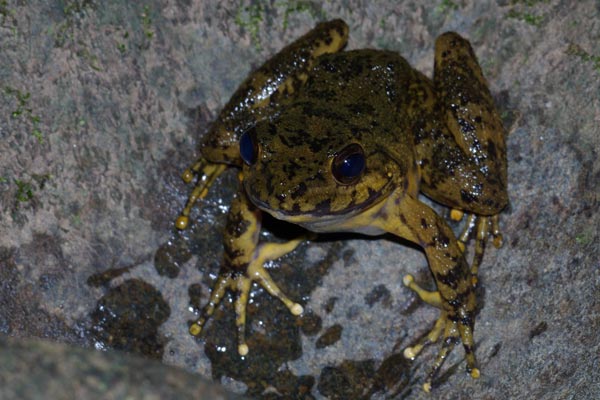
x=102 y=106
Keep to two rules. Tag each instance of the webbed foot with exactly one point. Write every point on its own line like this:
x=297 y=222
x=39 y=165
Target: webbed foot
x=241 y=283
x=451 y=329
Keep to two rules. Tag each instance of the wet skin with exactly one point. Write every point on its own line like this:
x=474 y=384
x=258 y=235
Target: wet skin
x=345 y=142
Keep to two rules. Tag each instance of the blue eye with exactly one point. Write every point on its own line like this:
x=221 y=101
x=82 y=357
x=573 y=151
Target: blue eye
x=249 y=147
x=349 y=164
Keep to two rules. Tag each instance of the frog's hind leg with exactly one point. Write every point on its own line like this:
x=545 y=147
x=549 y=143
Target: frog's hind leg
x=464 y=157
x=411 y=219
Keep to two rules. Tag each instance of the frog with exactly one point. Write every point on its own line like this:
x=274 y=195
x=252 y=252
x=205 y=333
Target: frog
x=337 y=140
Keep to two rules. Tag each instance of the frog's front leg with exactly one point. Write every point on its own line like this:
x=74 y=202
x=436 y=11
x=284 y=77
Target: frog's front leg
x=407 y=217
x=243 y=263
x=207 y=172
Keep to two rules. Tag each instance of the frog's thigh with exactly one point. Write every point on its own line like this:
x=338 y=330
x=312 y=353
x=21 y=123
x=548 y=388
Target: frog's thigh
x=470 y=170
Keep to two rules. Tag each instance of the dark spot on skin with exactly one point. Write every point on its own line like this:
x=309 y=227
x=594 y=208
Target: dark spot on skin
x=424 y=223
x=373 y=193
x=329 y=67
x=442 y=239
x=451 y=279
x=231 y=255
x=299 y=191
x=466 y=196
x=269 y=183
x=477 y=119
x=236 y=224
x=319 y=177
x=283 y=139
x=492 y=149
x=452 y=316
x=403 y=219
x=467 y=321
x=455 y=303
x=468 y=348
x=491 y=203
x=323 y=207
x=296 y=207
x=290 y=170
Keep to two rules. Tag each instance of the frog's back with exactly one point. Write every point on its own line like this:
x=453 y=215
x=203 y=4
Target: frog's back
x=364 y=93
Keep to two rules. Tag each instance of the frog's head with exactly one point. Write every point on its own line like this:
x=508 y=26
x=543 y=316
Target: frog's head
x=316 y=170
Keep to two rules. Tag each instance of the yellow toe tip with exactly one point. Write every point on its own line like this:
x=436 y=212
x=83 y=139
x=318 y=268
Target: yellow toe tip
x=456 y=215
x=195 y=329
x=296 y=309
x=409 y=353
x=475 y=374
x=408 y=280
x=427 y=387
x=498 y=241
x=187 y=176
x=182 y=222
x=243 y=349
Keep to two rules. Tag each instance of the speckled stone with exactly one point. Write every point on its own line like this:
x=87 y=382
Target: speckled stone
x=102 y=105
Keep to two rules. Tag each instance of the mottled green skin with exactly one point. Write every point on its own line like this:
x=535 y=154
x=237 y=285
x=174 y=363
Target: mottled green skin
x=374 y=98
x=442 y=138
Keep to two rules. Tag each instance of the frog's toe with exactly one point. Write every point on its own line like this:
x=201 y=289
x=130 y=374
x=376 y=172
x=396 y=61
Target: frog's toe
x=482 y=227
x=207 y=173
x=451 y=333
x=430 y=297
x=218 y=291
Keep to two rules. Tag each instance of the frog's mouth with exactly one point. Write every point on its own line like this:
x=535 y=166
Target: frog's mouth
x=354 y=218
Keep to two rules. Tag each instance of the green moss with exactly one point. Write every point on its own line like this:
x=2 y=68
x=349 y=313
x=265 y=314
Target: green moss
x=251 y=17
x=446 y=5
x=24 y=191
x=5 y=12
x=147 y=22
x=531 y=19
x=293 y=7
x=522 y=11
x=73 y=11
x=122 y=46
x=576 y=50
x=23 y=110
x=26 y=188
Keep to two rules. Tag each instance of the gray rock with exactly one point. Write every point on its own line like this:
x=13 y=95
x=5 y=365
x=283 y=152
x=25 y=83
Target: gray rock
x=102 y=106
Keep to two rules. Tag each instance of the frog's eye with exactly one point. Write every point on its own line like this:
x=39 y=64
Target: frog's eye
x=249 y=147
x=348 y=164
